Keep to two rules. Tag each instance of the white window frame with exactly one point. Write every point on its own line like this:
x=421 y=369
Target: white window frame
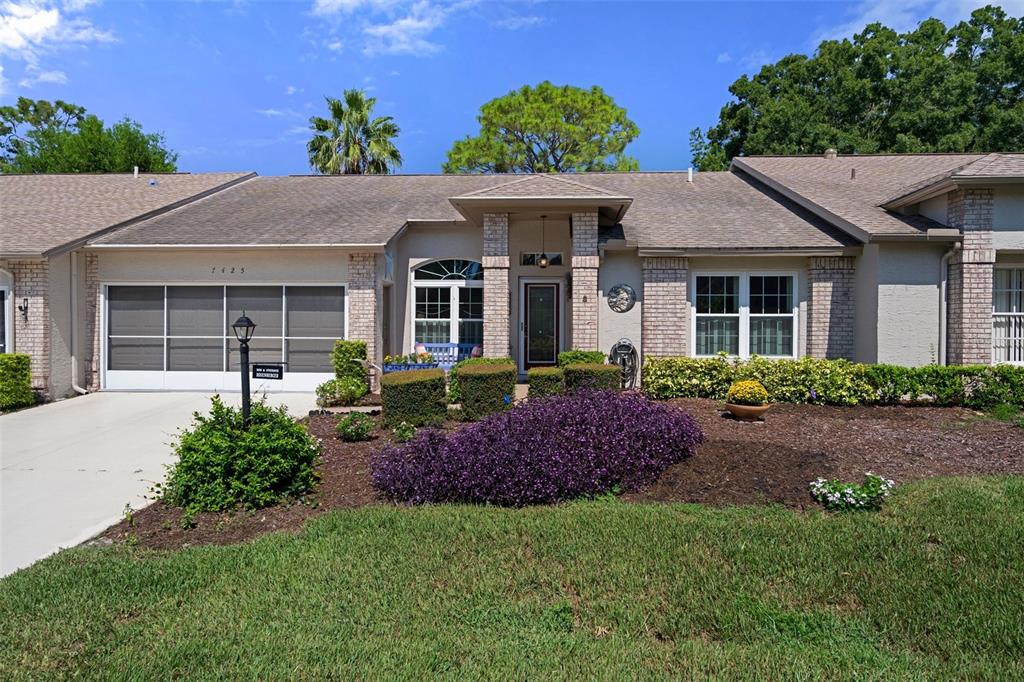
x=1019 y=315
x=453 y=285
x=744 y=309
x=8 y=319
x=227 y=379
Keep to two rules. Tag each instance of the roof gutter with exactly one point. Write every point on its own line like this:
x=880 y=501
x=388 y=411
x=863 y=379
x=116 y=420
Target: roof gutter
x=72 y=245
x=135 y=247
x=767 y=251
x=844 y=225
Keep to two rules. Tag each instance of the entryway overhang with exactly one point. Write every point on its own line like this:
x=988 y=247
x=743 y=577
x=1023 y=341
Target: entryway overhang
x=542 y=193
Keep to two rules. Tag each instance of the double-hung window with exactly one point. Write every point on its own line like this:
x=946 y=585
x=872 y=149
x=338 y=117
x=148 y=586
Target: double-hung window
x=448 y=302
x=1008 y=315
x=744 y=314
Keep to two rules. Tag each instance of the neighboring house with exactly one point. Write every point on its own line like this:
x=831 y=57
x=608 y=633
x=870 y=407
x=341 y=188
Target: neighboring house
x=907 y=259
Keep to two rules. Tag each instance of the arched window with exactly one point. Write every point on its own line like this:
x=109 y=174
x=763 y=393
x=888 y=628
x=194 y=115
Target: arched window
x=448 y=302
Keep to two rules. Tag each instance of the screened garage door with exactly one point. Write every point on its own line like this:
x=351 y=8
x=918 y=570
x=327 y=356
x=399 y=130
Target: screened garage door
x=180 y=337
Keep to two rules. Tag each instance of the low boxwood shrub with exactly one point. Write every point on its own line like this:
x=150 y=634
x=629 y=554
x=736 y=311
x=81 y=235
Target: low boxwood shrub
x=838 y=496
x=15 y=381
x=416 y=396
x=580 y=357
x=340 y=392
x=747 y=392
x=592 y=376
x=404 y=432
x=222 y=465
x=486 y=389
x=454 y=391
x=347 y=358
x=355 y=426
x=541 y=451
x=546 y=381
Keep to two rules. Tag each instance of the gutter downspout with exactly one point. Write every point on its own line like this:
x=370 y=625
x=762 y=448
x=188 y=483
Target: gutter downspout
x=74 y=324
x=943 y=278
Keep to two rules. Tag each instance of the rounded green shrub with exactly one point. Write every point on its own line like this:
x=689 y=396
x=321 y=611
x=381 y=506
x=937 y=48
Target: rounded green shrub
x=340 y=392
x=15 y=381
x=580 y=357
x=416 y=396
x=486 y=389
x=592 y=376
x=355 y=426
x=223 y=465
x=545 y=381
x=454 y=390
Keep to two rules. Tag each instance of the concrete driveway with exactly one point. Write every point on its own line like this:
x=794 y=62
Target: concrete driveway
x=67 y=469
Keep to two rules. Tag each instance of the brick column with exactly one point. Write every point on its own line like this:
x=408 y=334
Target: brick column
x=665 y=319
x=585 y=263
x=830 y=307
x=969 y=286
x=362 y=305
x=32 y=334
x=496 y=287
x=91 y=347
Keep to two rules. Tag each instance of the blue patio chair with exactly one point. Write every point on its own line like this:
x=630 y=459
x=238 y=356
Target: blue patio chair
x=447 y=354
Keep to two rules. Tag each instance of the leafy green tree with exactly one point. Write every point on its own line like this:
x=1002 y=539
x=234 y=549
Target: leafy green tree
x=932 y=89
x=547 y=129
x=37 y=136
x=350 y=141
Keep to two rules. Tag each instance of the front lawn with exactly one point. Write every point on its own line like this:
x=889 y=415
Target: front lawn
x=928 y=588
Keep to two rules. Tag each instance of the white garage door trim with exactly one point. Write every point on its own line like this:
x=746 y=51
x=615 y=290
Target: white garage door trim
x=167 y=380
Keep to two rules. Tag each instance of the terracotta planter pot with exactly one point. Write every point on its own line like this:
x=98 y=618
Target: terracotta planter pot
x=747 y=413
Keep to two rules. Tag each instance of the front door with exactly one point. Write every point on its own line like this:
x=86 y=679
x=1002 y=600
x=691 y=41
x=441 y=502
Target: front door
x=540 y=324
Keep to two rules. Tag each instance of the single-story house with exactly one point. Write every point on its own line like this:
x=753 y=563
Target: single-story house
x=123 y=282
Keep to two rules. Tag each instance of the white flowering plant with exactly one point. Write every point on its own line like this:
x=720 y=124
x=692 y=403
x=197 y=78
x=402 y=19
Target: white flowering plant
x=838 y=496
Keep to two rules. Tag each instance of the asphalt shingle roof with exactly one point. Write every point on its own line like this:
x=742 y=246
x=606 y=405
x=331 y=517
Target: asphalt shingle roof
x=828 y=184
x=716 y=210
x=539 y=186
x=39 y=213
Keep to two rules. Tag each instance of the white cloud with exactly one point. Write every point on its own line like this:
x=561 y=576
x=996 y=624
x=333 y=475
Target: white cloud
x=394 y=73
x=29 y=28
x=329 y=7
x=291 y=90
x=78 y=5
x=723 y=58
x=335 y=46
x=907 y=14
x=516 y=22
x=392 y=27
x=34 y=75
x=408 y=34
x=271 y=112
x=3 y=82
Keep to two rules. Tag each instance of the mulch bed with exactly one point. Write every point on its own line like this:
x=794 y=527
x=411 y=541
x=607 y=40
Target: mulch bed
x=740 y=463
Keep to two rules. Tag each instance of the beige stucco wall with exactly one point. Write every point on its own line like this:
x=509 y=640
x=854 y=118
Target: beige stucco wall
x=865 y=318
x=1008 y=217
x=620 y=267
x=797 y=265
x=908 y=303
x=261 y=266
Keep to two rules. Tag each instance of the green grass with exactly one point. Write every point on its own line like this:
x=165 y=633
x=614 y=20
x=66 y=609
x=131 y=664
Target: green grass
x=931 y=587
x=1007 y=413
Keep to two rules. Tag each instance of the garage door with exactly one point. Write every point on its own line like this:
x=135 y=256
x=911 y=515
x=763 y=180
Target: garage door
x=179 y=337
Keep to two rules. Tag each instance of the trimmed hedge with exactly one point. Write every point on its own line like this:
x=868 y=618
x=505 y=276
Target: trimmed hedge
x=486 y=389
x=580 y=357
x=15 y=381
x=454 y=392
x=545 y=381
x=837 y=382
x=347 y=359
x=415 y=396
x=592 y=376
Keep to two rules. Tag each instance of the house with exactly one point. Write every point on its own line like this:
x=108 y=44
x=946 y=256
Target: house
x=907 y=259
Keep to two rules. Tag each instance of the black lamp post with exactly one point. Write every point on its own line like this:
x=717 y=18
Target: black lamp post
x=244 y=328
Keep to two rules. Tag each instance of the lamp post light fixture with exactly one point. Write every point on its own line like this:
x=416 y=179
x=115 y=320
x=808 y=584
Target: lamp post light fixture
x=542 y=261
x=244 y=328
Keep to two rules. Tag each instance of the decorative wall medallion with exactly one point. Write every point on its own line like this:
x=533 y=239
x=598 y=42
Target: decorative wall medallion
x=621 y=298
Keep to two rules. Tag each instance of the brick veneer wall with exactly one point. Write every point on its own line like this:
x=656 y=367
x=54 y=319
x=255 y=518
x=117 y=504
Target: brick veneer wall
x=664 y=320
x=496 y=288
x=362 y=305
x=32 y=334
x=91 y=346
x=585 y=264
x=969 y=283
x=830 y=307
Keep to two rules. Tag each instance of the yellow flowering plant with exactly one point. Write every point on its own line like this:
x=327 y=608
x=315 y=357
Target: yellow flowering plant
x=747 y=392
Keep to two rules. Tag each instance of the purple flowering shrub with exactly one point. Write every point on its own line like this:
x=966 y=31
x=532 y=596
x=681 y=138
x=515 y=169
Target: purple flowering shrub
x=558 y=448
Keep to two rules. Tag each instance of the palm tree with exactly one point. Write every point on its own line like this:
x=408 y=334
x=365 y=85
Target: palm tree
x=350 y=142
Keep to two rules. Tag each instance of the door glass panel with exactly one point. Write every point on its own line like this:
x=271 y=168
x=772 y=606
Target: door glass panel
x=195 y=311
x=541 y=323
x=195 y=355
x=261 y=304
x=260 y=350
x=316 y=311
x=309 y=355
x=135 y=354
x=135 y=311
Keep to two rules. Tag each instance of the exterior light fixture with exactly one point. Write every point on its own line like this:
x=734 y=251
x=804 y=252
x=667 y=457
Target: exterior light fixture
x=542 y=261
x=23 y=308
x=244 y=328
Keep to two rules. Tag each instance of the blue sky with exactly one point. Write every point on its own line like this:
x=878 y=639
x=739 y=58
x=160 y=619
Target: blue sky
x=232 y=85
